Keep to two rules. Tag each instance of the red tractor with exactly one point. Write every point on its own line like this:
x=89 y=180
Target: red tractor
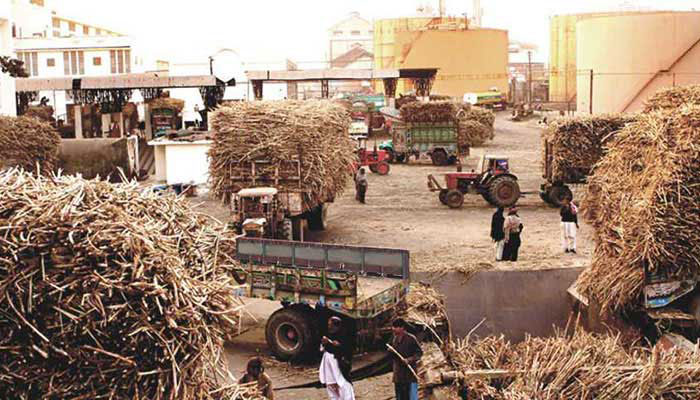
x=376 y=160
x=495 y=183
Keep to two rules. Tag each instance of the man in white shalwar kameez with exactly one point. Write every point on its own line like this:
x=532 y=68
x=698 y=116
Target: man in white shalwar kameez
x=329 y=372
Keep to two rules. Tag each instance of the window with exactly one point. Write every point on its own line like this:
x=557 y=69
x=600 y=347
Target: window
x=31 y=62
x=71 y=26
x=50 y=62
x=120 y=61
x=97 y=61
x=86 y=30
x=73 y=63
x=355 y=33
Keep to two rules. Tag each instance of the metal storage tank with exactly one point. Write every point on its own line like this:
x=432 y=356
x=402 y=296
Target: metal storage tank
x=634 y=55
x=469 y=60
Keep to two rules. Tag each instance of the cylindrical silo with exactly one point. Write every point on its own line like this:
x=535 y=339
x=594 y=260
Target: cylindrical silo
x=634 y=55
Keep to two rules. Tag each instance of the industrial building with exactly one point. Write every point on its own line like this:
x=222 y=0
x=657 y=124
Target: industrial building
x=7 y=85
x=468 y=59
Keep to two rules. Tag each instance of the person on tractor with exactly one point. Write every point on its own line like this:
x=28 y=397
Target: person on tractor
x=360 y=185
x=255 y=372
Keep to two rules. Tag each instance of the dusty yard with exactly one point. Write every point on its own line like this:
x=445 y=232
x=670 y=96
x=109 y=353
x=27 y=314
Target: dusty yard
x=401 y=212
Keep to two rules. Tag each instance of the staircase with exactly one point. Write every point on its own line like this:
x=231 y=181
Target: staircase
x=147 y=157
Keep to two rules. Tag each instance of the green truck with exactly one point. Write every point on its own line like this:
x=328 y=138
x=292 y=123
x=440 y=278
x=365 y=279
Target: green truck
x=364 y=286
x=436 y=140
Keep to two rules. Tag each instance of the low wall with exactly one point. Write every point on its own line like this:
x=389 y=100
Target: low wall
x=513 y=303
x=94 y=157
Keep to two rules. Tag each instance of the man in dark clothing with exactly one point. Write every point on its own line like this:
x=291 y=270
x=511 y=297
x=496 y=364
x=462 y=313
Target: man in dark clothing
x=405 y=383
x=569 y=225
x=497 y=234
x=512 y=227
x=361 y=185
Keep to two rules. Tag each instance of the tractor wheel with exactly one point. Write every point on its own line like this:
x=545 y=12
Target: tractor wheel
x=373 y=168
x=454 y=199
x=504 y=191
x=383 y=168
x=285 y=230
x=439 y=158
x=391 y=156
x=289 y=333
x=443 y=196
x=557 y=194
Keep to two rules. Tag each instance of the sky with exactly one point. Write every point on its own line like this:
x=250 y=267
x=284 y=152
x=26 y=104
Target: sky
x=270 y=31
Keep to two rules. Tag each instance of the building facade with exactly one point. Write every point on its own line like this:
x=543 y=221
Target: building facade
x=7 y=86
x=350 y=34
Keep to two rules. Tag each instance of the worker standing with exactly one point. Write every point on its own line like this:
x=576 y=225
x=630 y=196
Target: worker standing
x=255 y=372
x=405 y=367
x=512 y=228
x=569 y=225
x=336 y=363
x=497 y=234
x=361 y=185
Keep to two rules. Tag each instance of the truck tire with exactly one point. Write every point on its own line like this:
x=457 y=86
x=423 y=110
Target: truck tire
x=454 y=199
x=504 y=191
x=284 y=230
x=289 y=333
x=316 y=219
x=439 y=158
x=383 y=168
x=558 y=193
x=443 y=196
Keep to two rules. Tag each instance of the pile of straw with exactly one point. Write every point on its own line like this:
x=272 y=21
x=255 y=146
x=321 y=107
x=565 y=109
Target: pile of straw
x=643 y=201
x=313 y=132
x=167 y=102
x=28 y=143
x=434 y=111
x=584 y=366
x=577 y=144
x=672 y=98
x=473 y=133
x=42 y=113
x=109 y=292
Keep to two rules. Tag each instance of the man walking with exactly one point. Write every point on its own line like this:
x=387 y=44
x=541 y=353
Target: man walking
x=497 y=234
x=512 y=227
x=405 y=382
x=360 y=185
x=569 y=225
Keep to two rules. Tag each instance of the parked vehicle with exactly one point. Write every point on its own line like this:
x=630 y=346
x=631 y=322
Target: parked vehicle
x=492 y=99
x=439 y=141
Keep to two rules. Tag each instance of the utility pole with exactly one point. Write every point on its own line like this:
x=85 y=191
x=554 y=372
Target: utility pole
x=529 y=78
x=590 y=96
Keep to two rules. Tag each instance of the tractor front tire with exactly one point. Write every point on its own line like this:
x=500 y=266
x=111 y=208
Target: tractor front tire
x=443 y=196
x=558 y=193
x=383 y=168
x=454 y=199
x=439 y=158
x=504 y=191
x=289 y=332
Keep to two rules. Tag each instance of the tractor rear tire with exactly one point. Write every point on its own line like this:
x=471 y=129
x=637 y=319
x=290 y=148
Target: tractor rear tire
x=558 y=193
x=285 y=230
x=439 y=158
x=504 y=191
x=383 y=168
x=289 y=332
x=443 y=196
x=454 y=199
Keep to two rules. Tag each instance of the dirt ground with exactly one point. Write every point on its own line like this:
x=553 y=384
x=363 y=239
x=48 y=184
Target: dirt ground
x=401 y=212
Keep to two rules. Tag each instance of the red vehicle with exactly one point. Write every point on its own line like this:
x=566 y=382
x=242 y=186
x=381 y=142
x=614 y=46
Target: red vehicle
x=495 y=183
x=376 y=160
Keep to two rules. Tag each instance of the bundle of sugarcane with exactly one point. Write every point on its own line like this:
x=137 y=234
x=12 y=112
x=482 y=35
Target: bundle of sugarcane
x=403 y=100
x=673 y=97
x=109 y=292
x=43 y=113
x=583 y=366
x=28 y=143
x=434 y=111
x=481 y=115
x=577 y=143
x=167 y=102
x=425 y=306
x=439 y=97
x=473 y=133
x=312 y=132
x=643 y=200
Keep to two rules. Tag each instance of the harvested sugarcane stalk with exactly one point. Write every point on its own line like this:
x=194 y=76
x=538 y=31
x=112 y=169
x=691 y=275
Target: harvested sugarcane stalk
x=28 y=143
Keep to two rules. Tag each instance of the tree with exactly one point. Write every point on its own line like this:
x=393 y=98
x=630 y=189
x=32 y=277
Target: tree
x=13 y=67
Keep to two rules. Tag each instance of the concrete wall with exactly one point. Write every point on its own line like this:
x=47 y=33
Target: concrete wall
x=93 y=157
x=182 y=162
x=649 y=51
x=514 y=303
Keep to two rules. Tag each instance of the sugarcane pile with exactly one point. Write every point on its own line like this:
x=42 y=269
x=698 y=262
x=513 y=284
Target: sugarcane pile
x=583 y=366
x=28 y=143
x=43 y=113
x=577 y=144
x=405 y=99
x=433 y=112
x=643 y=201
x=672 y=98
x=425 y=306
x=473 y=132
x=480 y=115
x=109 y=292
x=167 y=103
x=314 y=132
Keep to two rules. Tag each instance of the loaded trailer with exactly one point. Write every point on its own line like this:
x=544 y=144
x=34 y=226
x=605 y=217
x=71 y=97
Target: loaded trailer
x=437 y=140
x=364 y=286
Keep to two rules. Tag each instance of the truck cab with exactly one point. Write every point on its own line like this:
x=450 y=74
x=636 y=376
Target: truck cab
x=256 y=213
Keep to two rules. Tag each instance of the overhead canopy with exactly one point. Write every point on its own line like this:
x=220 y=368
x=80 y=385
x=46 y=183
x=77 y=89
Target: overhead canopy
x=126 y=81
x=418 y=73
x=322 y=74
